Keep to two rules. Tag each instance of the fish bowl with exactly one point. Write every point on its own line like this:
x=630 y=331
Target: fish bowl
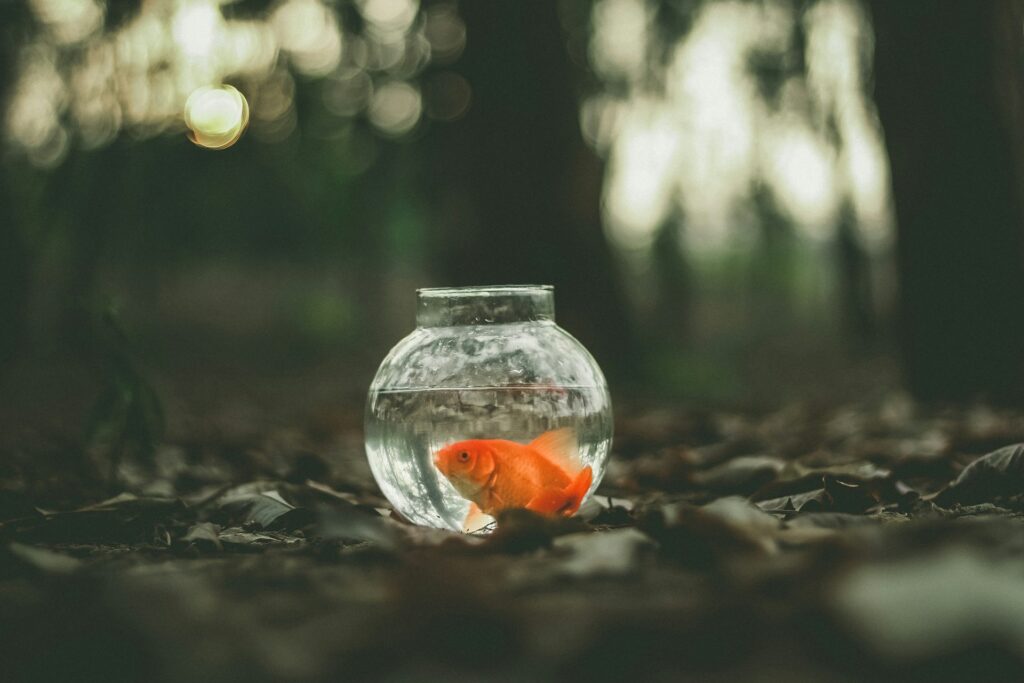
x=487 y=405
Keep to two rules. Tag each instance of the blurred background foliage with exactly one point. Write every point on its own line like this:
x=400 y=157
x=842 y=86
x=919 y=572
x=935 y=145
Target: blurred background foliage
x=705 y=182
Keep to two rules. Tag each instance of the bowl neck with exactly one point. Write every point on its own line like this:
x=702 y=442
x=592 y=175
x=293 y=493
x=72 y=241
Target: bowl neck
x=443 y=307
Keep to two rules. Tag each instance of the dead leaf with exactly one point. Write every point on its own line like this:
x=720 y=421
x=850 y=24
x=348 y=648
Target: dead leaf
x=699 y=539
x=787 y=504
x=991 y=477
x=236 y=538
x=45 y=560
x=123 y=518
x=847 y=495
x=345 y=522
x=204 y=535
x=742 y=475
x=608 y=554
x=933 y=604
x=520 y=531
x=266 y=509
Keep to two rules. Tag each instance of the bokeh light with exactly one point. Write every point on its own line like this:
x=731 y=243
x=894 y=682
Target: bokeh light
x=620 y=38
x=639 y=188
x=33 y=116
x=195 y=28
x=216 y=116
x=82 y=83
x=447 y=96
x=800 y=170
x=308 y=31
x=390 y=19
x=445 y=32
x=347 y=93
x=68 y=21
x=395 y=108
x=693 y=128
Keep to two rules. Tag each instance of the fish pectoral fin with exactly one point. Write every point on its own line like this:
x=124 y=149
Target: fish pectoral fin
x=476 y=519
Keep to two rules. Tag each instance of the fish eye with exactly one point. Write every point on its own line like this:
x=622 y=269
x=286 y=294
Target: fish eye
x=464 y=456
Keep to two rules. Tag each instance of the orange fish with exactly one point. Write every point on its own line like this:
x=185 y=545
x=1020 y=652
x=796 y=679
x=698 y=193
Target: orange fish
x=494 y=474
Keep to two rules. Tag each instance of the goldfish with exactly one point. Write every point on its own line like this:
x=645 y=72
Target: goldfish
x=544 y=476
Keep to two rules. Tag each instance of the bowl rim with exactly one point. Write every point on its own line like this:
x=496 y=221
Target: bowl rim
x=484 y=290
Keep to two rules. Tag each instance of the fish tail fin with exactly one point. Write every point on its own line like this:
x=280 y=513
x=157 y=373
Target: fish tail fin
x=563 y=501
x=560 y=447
x=576 y=490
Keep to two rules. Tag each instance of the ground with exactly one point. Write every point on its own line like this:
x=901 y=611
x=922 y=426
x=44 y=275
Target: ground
x=809 y=542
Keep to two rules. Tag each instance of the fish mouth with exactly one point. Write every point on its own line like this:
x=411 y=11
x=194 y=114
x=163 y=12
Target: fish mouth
x=439 y=464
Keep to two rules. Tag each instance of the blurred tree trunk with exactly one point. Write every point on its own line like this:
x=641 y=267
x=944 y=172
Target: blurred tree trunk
x=14 y=258
x=948 y=91
x=14 y=277
x=521 y=191
x=856 y=294
x=673 y=286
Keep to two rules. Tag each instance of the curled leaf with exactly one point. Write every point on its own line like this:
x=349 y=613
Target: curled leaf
x=266 y=509
x=1000 y=474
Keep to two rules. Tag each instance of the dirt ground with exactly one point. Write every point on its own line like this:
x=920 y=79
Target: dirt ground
x=869 y=540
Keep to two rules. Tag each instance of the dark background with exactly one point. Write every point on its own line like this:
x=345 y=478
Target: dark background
x=304 y=244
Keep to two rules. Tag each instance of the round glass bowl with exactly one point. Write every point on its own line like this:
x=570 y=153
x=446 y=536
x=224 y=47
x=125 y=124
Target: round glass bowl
x=486 y=363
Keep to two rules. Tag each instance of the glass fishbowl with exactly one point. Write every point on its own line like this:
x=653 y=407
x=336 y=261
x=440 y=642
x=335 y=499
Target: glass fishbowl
x=487 y=405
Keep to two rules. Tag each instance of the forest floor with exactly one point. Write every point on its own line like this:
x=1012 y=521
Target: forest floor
x=860 y=541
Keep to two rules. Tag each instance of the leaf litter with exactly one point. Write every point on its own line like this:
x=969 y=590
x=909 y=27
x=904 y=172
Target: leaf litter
x=796 y=537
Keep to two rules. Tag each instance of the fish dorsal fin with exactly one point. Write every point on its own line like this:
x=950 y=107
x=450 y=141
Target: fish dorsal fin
x=560 y=447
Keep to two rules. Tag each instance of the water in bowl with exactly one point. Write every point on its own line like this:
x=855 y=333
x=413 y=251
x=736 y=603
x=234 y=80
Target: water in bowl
x=405 y=429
